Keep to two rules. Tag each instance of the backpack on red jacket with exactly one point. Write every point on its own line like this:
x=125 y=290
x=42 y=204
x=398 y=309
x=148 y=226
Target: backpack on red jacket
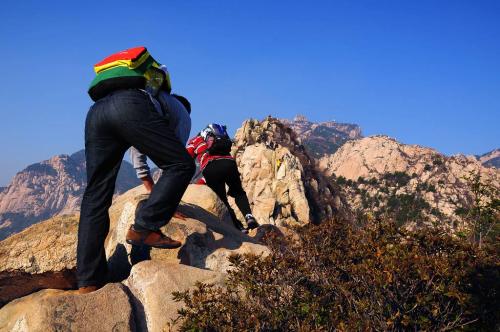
x=218 y=141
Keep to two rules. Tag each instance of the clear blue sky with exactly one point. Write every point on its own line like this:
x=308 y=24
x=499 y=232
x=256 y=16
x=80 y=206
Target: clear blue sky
x=424 y=72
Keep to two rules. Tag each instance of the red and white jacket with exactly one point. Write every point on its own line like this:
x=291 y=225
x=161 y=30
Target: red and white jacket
x=197 y=148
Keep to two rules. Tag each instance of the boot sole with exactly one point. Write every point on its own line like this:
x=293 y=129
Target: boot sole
x=142 y=244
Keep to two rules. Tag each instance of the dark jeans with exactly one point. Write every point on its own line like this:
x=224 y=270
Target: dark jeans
x=122 y=119
x=220 y=172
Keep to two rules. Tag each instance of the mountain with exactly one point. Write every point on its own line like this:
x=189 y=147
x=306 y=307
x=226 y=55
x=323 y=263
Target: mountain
x=48 y=188
x=324 y=137
x=490 y=159
x=412 y=184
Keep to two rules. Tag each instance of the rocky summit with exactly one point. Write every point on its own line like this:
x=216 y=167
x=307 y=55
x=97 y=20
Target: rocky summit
x=51 y=187
x=378 y=174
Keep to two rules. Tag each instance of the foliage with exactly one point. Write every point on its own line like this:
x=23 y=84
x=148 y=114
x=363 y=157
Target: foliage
x=397 y=179
x=483 y=214
x=339 y=277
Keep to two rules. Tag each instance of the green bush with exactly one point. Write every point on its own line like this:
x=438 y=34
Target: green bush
x=340 y=277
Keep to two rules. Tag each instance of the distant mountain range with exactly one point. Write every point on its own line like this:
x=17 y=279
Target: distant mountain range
x=324 y=137
x=48 y=188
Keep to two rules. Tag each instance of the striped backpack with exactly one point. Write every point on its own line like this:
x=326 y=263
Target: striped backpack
x=128 y=69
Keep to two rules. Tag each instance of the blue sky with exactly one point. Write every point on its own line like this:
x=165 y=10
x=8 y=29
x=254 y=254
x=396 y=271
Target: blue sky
x=424 y=72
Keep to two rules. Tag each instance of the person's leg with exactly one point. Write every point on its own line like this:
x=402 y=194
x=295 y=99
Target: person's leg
x=240 y=196
x=214 y=177
x=235 y=188
x=145 y=129
x=104 y=152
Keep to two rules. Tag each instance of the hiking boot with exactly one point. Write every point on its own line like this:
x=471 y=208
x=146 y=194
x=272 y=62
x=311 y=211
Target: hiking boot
x=87 y=289
x=155 y=239
x=251 y=222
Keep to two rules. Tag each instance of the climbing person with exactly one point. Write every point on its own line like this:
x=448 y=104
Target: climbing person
x=177 y=109
x=212 y=147
x=122 y=116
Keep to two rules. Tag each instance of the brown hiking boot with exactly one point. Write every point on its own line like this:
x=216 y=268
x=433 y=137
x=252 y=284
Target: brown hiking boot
x=87 y=289
x=155 y=239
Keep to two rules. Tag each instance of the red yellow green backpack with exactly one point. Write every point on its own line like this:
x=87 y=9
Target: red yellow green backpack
x=128 y=69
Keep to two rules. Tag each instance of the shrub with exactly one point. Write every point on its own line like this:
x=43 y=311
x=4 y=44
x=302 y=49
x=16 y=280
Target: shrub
x=339 y=277
x=397 y=178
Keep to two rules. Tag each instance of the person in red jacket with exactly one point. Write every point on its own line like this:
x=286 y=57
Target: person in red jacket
x=212 y=147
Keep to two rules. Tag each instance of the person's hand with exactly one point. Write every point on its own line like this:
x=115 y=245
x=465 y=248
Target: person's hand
x=148 y=183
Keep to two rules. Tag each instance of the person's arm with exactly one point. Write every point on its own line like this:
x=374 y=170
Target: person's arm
x=201 y=147
x=139 y=161
x=191 y=147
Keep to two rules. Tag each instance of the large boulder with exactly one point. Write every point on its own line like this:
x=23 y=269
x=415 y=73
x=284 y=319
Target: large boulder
x=205 y=198
x=108 y=309
x=207 y=240
x=41 y=256
x=151 y=284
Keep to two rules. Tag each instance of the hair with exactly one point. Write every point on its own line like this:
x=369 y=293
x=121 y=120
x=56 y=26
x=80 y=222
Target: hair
x=184 y=102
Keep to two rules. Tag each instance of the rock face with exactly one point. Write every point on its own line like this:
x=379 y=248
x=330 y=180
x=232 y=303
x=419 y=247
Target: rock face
x=324 y=137
x=51 y=187
x=41 y=256
x=280 y=178
x=490 y=159
x=207 y=240
x=383 y=171
x=44 y=255
x=151 y=284
x=108 y=309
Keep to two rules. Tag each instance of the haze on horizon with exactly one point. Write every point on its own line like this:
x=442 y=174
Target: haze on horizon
x=423 y=72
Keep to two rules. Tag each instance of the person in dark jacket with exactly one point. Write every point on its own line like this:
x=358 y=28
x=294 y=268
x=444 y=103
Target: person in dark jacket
x=122 y=117
x=219 y=169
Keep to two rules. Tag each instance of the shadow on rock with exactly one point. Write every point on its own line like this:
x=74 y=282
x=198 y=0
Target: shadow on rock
x=119 y=265
x=210 y=247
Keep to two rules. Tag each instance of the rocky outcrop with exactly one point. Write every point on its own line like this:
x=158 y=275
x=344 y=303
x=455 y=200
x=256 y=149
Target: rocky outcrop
x=44 y=255
x=490 y=159
x=41 y=256
x=281 y=181
x=151 y=285
x=208 y=241
x=381 y=170
x=324 y=137
x=49 y=188
x=108 y=309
